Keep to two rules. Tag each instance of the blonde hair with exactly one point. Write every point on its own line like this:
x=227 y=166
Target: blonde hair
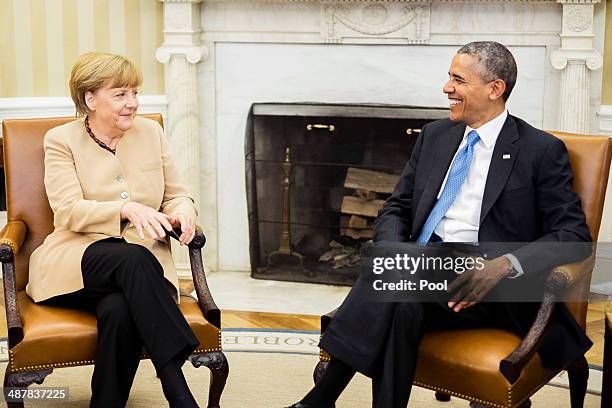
x=93 y=70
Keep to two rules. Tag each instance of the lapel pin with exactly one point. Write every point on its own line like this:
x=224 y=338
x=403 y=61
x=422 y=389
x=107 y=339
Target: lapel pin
x=506 y=157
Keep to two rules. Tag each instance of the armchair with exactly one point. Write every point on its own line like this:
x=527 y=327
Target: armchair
x=42 y=338
x=495 y=367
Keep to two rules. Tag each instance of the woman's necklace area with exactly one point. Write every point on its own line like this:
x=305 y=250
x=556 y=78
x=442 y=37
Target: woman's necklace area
x=98 y=141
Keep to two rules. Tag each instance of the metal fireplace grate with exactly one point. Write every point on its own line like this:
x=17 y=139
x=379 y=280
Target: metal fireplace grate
x=316 y=175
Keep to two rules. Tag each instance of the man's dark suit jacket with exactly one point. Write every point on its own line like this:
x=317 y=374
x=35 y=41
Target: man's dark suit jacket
x=528 y=200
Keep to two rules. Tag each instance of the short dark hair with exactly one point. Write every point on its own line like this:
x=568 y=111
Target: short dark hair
x=496 y=62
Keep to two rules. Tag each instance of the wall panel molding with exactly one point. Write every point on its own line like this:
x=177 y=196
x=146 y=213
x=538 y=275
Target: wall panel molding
x=41 y=107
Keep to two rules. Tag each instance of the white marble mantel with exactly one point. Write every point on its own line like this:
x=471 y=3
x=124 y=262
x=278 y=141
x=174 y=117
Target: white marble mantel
x=366 y=51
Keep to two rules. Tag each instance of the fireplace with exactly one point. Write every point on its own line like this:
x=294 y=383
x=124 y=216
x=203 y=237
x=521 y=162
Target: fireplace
x=316 y=175
x=221 y=56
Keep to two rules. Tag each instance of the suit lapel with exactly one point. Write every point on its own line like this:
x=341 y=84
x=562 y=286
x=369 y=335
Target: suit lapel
x=447 y=146
x=504 y=156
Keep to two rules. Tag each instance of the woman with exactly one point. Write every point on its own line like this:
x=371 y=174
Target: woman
x=115 y=194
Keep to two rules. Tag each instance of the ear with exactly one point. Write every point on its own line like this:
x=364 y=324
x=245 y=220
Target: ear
x=498 y=87
x=90 y=101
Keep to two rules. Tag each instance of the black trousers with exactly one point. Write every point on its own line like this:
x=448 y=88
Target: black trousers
x=125 y=286
x=381 y=339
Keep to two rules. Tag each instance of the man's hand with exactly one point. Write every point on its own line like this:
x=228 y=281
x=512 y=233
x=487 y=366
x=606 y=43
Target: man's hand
x=471 y=286
x=187 y=228
x=147 y=219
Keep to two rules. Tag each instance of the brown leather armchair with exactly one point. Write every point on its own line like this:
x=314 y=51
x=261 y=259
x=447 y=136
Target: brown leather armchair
x=42 y=338
x=494 y=367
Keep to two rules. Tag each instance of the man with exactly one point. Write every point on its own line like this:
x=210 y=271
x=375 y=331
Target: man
x=482 y=176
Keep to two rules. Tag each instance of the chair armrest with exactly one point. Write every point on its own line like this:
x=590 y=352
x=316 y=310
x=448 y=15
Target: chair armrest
x=576 y=271
x=513 y=364
x=13 y=234
x=560 y=278
x=205 y=299
x=11 y=238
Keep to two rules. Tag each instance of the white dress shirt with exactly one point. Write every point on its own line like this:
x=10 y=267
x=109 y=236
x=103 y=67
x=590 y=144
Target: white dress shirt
x=462 y=220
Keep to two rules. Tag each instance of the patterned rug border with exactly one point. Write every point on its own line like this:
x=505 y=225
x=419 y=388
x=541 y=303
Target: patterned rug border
x=272 y=330
x=300 y=349
x=267 y=329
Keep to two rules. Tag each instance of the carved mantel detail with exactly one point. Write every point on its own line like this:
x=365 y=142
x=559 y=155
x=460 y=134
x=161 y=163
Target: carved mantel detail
x=343 y=21
x=590 y=58
x=192 y=53
x=182 y=32
x=578 y=19
x=181 y=51
x=575 y=58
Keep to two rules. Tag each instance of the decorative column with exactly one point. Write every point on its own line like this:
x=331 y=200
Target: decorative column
x=180 y=52
x=575 y=59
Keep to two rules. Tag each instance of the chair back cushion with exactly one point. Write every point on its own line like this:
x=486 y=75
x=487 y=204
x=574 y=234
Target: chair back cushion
x=590 y=160
x=26 y=198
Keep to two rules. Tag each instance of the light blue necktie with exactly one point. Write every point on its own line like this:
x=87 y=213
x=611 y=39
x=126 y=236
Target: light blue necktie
x=456 y=176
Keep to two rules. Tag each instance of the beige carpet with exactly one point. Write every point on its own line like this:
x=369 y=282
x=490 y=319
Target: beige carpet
x=262 y=380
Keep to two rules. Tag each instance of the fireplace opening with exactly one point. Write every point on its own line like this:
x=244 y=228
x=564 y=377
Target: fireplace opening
x=316 y=175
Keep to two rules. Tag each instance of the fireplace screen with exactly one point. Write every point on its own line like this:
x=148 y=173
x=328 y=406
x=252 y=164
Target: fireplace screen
x=316 y=176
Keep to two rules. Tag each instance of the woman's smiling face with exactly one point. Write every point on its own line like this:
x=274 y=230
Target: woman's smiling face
x=114 y=106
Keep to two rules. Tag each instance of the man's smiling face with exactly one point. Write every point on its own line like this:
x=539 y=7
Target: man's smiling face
x=469 y=94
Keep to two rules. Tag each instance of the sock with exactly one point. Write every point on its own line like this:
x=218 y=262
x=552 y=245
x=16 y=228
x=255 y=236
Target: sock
x=174 y=385
x=334 y=380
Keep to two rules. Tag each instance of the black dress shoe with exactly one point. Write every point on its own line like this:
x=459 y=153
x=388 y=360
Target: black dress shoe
x=299 y=405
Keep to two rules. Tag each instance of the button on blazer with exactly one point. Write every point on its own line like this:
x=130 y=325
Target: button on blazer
x=87 y=186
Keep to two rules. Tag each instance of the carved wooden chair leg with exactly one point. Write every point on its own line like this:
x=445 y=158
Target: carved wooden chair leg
x=440 y=396
x=578 y=374
x=318 y=371
x=21 y=380
x=219 y=370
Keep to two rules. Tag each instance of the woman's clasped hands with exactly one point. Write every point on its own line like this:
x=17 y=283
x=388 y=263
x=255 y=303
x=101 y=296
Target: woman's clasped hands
x=157 y=224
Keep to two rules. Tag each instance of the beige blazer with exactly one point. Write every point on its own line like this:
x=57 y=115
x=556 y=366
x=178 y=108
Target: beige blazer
x=87 y=185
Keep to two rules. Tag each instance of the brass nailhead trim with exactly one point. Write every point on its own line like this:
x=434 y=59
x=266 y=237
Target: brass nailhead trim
x=9 y=243
x=457 y=394
x=321 y=356
x=434 y=388
x=431 y=387
x=89 y=362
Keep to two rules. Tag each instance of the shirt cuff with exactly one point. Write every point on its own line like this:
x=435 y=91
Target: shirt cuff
x=517 y=269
